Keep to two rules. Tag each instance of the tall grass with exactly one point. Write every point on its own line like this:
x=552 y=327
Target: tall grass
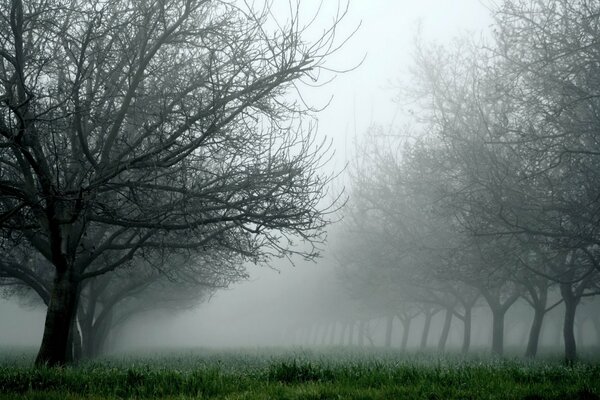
x=301 y=374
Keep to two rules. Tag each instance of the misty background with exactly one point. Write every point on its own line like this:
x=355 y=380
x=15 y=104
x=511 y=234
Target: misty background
x=306 y=303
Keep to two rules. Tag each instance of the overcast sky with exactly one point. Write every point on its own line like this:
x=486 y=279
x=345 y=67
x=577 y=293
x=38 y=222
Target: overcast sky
x=360 y=98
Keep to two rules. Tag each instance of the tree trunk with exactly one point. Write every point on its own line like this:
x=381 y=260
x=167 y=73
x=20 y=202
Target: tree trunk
x=59 y=320
x=569 y=323
x=534 y=332
x=351 y=334
x=388 y=330
x=467 y=330
x=498 y=331
x=445 y=330
x=426 y=327
x=405 y=331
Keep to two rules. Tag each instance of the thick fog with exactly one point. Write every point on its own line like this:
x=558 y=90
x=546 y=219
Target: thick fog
x=305 y=303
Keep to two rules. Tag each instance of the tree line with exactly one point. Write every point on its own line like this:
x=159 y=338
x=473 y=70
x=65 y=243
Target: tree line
x=493 y=193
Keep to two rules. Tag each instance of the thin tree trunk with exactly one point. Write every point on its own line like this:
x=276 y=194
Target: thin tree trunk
x=426 y=326
x=59 y=320
x=445 y=330
x=388 y=330
x=534 y=332
x=569 y=323
x=498 y=331
x=467 y=330
x=405 y=331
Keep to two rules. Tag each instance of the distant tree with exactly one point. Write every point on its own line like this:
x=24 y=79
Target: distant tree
x=174 y=284
x=128 y=126
x=509 y=123
x=548 y=52
x=392 y=243
x=150 y=283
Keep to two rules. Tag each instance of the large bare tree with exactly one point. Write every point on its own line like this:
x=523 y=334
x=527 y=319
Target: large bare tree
x=131 y=125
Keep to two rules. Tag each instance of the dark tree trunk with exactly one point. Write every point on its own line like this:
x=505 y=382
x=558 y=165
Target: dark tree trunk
x=88 y=335
x=405 y=331
x=388 y=330
x=426 y=326
x=498 y=331
x=59 y=320
x=571 y=302
x=445 y=330
x=534 y=332
x=467 y=330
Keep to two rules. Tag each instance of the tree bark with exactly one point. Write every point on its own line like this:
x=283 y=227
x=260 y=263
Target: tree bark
x=426 y=326
x=388 y=330
x=445 y=330
x=405 y=331
x=534 y=332
x=467 y=330
x=59 y=320
x=571 y=302
x=498 y=331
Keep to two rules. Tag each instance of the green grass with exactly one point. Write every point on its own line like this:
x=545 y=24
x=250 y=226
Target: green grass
x=299 y=374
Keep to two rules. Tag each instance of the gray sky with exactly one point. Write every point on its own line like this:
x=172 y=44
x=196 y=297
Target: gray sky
x=360 y=98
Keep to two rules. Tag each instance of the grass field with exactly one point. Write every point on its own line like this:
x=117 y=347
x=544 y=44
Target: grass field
x=333 y=373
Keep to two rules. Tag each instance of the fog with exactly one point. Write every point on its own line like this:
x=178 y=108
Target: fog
x=306 y=303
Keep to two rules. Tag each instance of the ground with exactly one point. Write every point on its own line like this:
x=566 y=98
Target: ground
x=327 y=373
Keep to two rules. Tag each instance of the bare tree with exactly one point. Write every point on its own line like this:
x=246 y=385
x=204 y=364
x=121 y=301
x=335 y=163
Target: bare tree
x=134 y=125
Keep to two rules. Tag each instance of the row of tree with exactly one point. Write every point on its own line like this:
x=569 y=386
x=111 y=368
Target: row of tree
x=497 y=196
x=426 y=326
